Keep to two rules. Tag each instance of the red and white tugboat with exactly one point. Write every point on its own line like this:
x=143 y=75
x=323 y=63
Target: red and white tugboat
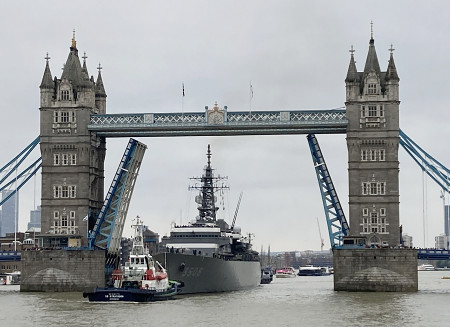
x=141 y=279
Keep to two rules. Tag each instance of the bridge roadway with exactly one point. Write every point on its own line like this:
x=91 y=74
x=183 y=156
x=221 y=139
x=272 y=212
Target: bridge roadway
x=220 y=122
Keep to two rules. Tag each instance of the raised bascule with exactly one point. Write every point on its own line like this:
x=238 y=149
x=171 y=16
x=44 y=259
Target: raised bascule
x=78 y=219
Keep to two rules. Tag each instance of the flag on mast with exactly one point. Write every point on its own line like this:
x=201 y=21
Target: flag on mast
x=251 y=90
x=183 y=88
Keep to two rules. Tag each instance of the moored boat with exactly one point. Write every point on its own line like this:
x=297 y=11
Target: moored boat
x=285 y=272
x=208 y=255
x=12 y=278
x=426 y=267
x=266 y=275
x=313 y=271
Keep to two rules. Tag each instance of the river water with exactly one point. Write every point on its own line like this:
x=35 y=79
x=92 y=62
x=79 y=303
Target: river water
x=300 y=301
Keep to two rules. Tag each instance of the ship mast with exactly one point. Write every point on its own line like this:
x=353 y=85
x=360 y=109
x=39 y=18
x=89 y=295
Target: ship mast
x=208 y=186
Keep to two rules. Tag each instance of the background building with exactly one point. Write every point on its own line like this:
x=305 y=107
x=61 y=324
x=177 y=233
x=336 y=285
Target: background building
x=35 y=218
x=441 y=242
x=9 y=214
x=407 y=241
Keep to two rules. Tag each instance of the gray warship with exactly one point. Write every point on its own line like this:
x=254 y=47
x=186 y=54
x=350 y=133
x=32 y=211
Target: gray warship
x=208 y=255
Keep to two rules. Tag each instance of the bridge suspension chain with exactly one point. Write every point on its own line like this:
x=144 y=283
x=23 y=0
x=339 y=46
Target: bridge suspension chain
x=433 y=168
x=19 y=179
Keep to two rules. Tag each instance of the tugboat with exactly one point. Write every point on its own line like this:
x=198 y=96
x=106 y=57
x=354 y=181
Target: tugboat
x=208 y=255
x=141 y=279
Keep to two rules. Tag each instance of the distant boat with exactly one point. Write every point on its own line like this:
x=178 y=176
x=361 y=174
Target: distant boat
x=266 y=275
x=445 y=277
x=285 y=272
x=10 y=278
x=313 y=271
x=426 y=267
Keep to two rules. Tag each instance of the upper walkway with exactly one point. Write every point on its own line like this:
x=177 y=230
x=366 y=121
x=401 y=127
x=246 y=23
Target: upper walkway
x=216 y=122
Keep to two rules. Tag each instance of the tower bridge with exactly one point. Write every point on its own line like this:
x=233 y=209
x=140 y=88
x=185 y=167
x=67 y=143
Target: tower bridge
x=74 y=127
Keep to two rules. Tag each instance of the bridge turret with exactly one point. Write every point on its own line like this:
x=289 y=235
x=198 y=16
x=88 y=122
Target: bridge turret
x=392 y=79
x=352 y=79
x=372 y=141
x=100 y=94
x=47 y=86
x=72 y=156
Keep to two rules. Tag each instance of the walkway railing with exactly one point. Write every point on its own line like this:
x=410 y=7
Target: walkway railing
x=220 y=122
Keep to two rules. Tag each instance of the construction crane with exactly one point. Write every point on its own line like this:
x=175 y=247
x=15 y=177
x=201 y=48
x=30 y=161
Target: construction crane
x=320 y=234
x=237 y=210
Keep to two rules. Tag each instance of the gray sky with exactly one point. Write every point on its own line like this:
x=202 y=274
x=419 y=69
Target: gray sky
x=296 y=55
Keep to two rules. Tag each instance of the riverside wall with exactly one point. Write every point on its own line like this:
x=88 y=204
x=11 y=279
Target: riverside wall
x=62 y=271
x=375 y=269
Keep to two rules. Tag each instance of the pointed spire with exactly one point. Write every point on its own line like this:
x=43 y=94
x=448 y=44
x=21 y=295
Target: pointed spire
x=352 y=73
x=84 y=69
x=372 y=59
x=74 y=42
x=391 y=72
x=72 y=70
x=47 y=82
x=99 y=88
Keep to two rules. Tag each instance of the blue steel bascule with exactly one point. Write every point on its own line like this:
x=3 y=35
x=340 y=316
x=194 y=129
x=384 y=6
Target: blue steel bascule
x=107 y=231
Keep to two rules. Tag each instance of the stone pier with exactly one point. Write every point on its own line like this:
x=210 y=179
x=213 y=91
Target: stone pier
x=62 y=271
x=375 y=270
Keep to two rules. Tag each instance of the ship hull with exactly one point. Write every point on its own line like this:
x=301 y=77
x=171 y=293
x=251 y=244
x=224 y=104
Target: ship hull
x=206 y=274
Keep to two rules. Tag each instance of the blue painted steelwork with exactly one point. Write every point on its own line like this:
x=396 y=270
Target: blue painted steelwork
x=216 y=122
x=433 y=254
x=21 y=177
x=10 y=256
x=108 y=227
x=336 y=222
x=437 y=171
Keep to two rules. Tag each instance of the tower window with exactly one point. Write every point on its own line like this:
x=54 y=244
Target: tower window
x=363 y=155
x=65 y=159
x=65 y=191
x=56 y=159
x=64 y=220
x=73 y=159
x=56 y=192
x=65 y=96
x=73 y=191
x=372 y=111
x=373 y=188
x=65 y=117
x=372 y=88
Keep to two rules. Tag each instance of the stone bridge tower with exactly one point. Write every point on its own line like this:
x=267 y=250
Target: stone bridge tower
x=72 y=157
x=372 y=105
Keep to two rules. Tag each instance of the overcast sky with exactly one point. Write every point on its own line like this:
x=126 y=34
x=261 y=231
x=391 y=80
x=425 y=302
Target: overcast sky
x=295 y=53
